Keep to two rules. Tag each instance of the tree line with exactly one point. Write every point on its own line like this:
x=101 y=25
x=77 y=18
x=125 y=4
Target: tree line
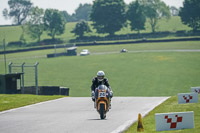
x=107 y=16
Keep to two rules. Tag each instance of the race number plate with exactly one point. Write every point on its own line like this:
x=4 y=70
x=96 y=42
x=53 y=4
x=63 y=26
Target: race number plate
x=102 y=94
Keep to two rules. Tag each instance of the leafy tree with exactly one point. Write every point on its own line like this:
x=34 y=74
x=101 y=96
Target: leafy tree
x=136 y=16
x=81 y=28
x=83 y=12
x=68 y=17
x=35 y=24
x=108 y=16
x=190 y=13
x=5 y=13
x=22 y=38
x=154 y=10
x=73 y=17
x=19 y=10
x=54 y=22
x=174 y=11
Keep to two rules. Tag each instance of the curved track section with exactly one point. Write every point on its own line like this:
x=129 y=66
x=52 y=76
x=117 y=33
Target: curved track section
x=76 y=115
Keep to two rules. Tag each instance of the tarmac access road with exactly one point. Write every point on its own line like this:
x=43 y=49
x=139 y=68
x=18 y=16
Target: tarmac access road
x=110 y=52
x=76 y=115
x=149 y=51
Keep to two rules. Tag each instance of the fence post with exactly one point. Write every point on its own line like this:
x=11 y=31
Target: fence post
x=10 y=67
x=23 y=77
x=36 y=78
x=55 y=50
x=23 y=74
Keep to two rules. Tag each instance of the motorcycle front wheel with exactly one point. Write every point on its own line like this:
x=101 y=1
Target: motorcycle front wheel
x=102 y=111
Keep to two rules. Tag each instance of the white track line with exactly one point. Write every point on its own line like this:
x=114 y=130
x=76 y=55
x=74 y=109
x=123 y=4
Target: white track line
x=28 y=106
x=129 y=123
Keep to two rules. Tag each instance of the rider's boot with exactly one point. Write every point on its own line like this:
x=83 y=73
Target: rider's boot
x=94 y=104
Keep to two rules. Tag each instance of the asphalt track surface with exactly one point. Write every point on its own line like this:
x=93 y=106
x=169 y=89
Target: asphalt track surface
x=149 y=51
x=76 y=115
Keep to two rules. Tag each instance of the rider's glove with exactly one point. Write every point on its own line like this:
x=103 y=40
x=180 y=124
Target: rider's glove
x=93 y=95
x=111 y=94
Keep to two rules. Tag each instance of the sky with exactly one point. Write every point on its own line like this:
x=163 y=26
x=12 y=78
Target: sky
x=68 y=5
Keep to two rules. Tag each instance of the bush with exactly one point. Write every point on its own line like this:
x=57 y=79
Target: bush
x=17 y=43
x=51 y=41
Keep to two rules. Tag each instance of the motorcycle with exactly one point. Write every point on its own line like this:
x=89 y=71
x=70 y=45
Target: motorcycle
x=102 y=100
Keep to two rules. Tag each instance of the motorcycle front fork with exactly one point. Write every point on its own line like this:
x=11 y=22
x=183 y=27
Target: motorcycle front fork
x=109 y=104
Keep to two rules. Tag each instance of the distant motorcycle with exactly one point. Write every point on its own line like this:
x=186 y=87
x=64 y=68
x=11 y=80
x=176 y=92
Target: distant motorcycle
x=102 y=100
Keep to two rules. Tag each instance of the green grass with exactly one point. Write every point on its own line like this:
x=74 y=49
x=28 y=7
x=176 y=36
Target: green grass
x=172 y=25
x=171 y=105
x=113 y=48
x=146 y=46
x=17 y=100
x=130 y=74
x=12 y=33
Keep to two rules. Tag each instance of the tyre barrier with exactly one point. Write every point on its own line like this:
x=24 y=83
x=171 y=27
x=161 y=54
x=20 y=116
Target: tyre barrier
x=47 y=90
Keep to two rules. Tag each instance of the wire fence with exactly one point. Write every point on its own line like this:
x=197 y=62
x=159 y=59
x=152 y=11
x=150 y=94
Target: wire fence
x=1 y=45
x=29 y=74
x=94 y=39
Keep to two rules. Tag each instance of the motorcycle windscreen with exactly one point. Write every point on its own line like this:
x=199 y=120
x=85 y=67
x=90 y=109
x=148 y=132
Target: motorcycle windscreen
x=103 y=91
x=102 y=87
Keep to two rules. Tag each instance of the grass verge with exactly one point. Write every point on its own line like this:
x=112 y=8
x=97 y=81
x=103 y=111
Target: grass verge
x=109 y=48
x=13 y=33
x=130 y=74
x=18 y=100
x=170 y=105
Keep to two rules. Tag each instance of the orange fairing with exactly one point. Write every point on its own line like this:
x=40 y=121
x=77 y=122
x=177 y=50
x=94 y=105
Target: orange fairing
x=102 y=100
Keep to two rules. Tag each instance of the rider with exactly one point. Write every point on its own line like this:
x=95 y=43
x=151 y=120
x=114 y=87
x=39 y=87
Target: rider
x=100 y=80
